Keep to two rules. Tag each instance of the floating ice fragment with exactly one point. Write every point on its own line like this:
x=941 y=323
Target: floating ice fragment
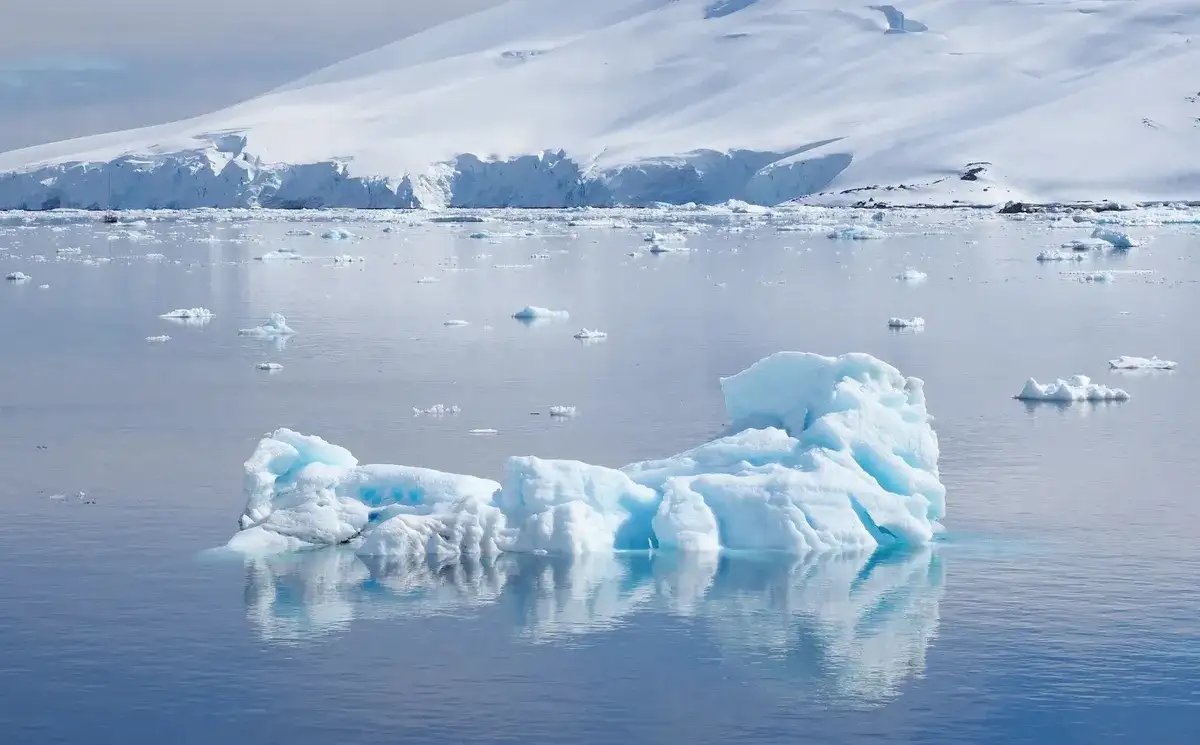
x=17 y=277
x=337 y=234
x=831 y=454
x=345 y=259
x=906 y=323
x=657 y=237
x=269 y=366
x=1075 y=388
x=484 y=431
x=190 y=314
x=855 y=233
x=428 y=280
x=912 y=275
x=1083 y=245
x=562 y=411
x=590 y=335
x=1097 y=277
x=456 y=322
x=275 y=326
x=300 y=231
x=533 y=313
x=1053 y=255
x=1141 y=363
x=436 y=410
x=1114 y=238
x=281 y=254
x=69 y=251
x=43 y=287
x=158 y=339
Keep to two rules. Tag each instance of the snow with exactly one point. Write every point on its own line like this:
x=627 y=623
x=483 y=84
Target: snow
x=543 y=103
x=17 y=277
x=534 y=313
x=269 y=366
x=912 y=275
x=158 y=339
x=275 y=326
x=1114 y=238
x=855 y=233
x=906 y=323
x=829 y=455
x=590 y=335
x=190 y=314
x=1076 y=388
x=1054 y=255
x=1141 y=363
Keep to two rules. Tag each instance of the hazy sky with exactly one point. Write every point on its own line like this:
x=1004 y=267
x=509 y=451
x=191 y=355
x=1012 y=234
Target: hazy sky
x=74 y=67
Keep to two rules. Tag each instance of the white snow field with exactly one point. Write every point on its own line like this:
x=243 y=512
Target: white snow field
x=830 y=454
x=545 y=103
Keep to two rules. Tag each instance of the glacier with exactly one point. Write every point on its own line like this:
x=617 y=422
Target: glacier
x=541 y=103
x=823 y=454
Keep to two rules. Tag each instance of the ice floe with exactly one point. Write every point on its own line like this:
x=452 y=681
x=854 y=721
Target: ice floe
x=1125 y=362
x=436 y=410
x=534 y=313
x=1075 y=388
x=1051 y=254
x=912 y=275
x=590 y=335
x=562 y=411
x=158 y=339
x=275 y=326
x=855 y=233
x=281 y=254
x=269 y=366
x=906 y=323
x=828 y=455
x=189 y=314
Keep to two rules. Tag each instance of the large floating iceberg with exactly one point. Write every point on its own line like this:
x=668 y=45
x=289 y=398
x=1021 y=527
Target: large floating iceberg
x=827 y=454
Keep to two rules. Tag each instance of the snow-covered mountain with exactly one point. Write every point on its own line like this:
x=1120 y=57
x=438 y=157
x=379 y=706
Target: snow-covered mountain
x=600 y=102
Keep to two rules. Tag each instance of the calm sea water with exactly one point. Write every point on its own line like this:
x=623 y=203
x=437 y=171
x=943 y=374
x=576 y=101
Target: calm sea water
x=1061 y=607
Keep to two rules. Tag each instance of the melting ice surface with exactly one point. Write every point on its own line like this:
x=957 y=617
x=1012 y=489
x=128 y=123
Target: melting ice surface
x=828 y=454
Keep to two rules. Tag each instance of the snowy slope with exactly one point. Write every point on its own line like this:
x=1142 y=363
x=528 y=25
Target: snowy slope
x=553 y=103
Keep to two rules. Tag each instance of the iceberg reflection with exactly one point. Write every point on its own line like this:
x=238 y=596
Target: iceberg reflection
x=846 y=628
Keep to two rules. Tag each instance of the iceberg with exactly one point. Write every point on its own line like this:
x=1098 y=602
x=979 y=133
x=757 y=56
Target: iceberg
x=534 y=313
x=1114 y=238
x=201 y=315
x=1141 y=363
x=591 y=335
x=827 y=454
x=1075 y=388
x=564 y=412
x=17 y=277
x=275 y=326
x=906 y=323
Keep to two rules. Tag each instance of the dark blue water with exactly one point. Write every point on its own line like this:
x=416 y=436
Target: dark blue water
x=1060 y=608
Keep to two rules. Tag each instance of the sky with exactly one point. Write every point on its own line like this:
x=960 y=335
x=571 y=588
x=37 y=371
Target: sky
x=75 y=67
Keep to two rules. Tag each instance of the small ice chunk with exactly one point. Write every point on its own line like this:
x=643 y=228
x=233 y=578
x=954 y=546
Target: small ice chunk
x=666 y=248
x=190 y=314
x=43 y=287
x=562 y=411
x=657 y=237
x=1075 y=388
x=590 y=334
x=1114 y=238
x=1054 y=255
x=428 y=280
x=300 y=231
x=281 y=254
x=481 y=235
x=154 y=257
x=1097 y=277
x=71 y=251
x=912 y=275
x=1125 y=362
x=533 y=313
x=436 y=410
x=906 y=323
x=456 y=322
x=337 y=234
x=17 y=277
x=275 y=326
x=345 y=259
x=1083 y=245
x=269 y=366
x=855 y=233
x=158 y=339
x=484 y=431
